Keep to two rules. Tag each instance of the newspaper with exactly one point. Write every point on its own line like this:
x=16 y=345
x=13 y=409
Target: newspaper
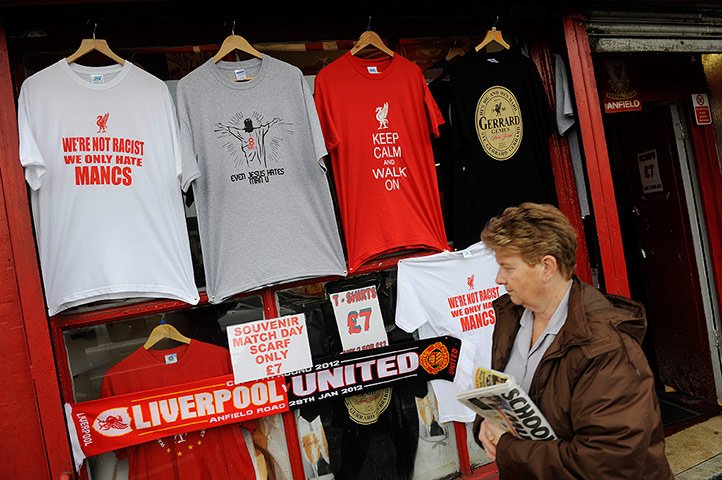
x=498 y=398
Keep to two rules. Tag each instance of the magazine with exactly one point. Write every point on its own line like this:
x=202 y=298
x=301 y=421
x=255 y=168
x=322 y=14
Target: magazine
x=498 y=398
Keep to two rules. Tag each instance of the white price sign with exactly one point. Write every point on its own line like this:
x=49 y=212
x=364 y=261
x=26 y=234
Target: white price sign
x=267 y=348
x=359 y=319
x=649 y=171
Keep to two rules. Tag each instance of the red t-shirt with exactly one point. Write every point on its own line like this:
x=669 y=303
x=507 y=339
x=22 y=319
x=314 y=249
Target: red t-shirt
x=377 y=129
x=218 y=453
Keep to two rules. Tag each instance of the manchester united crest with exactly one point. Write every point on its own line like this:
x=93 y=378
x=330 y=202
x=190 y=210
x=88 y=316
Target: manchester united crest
x=434 y=358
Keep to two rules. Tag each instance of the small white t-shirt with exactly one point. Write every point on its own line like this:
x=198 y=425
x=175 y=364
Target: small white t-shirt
x=100 y=151
x=450 y=293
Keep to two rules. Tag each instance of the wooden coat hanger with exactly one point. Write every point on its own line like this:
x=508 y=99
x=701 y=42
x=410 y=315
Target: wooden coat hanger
x=493 y=35
x=235 y=42
x=88 y=45
x=454 y=51
x=165 y=330
x=369 y=37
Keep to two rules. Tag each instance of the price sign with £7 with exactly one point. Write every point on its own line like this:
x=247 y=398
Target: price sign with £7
x=359 y=319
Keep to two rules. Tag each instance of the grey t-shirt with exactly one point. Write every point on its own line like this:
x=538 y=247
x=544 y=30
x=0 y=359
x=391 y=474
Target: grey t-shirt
x=253 y=152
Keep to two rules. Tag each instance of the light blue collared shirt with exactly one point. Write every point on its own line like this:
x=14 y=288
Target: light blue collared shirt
x=524 y=358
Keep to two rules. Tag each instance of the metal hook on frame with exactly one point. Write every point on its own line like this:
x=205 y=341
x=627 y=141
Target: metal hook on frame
x=233 y=26
x=368 y=27
x=495 y=22
x=95 y=26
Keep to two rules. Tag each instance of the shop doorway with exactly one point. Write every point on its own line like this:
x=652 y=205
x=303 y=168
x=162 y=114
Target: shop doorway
x=665 y=244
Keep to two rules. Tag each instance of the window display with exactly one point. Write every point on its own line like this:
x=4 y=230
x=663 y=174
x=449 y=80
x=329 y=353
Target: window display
x=151 y=361
x=375 y=435
x=252 y=167
x=114 y=355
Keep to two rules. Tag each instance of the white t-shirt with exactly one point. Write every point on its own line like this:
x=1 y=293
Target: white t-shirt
x=450 y=293
x=100 y=151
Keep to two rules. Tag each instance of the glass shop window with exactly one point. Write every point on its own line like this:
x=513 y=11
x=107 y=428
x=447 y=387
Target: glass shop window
x=112 y=359
x=391 y=433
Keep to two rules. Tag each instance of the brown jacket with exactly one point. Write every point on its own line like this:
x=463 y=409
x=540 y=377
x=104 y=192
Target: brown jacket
x=595 y=387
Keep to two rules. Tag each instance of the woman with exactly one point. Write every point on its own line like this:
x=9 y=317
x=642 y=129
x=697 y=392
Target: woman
x=576 y=352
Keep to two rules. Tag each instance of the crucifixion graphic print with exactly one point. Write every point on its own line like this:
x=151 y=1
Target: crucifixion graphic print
x=253 y=138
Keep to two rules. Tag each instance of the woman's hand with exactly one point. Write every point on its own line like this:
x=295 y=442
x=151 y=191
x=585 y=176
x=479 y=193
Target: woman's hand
x=489 y=434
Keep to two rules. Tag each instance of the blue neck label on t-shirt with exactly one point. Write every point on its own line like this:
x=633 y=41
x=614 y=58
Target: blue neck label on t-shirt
x=372 y=69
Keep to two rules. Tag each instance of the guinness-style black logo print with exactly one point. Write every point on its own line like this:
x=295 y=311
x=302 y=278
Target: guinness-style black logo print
x=498 y=123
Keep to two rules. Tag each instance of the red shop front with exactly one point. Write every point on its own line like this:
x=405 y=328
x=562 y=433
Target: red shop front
x=64 y=357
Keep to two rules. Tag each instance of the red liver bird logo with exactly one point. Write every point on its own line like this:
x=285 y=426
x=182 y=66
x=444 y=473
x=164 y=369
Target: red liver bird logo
x=102 y=122
x=470 y=281
x=112 y=422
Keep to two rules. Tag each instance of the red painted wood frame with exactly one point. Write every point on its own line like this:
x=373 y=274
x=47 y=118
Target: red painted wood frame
x=41 y=409
x=60 y=456
x=270 y=310
x=595 y=150
x=561 y=157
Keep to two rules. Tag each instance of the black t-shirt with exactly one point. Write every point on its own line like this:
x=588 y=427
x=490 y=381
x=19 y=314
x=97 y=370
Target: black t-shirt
x=444 y=153
x=501 y=124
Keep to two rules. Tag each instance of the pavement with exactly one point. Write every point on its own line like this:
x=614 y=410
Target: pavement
x=695 y=453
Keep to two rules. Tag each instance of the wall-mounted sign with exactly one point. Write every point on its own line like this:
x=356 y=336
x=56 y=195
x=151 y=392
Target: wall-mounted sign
x=702 y=112
x=649 y=171
x=617 y=91
x=270 y=347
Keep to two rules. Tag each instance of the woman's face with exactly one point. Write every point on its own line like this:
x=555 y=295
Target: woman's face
x=522 y=281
